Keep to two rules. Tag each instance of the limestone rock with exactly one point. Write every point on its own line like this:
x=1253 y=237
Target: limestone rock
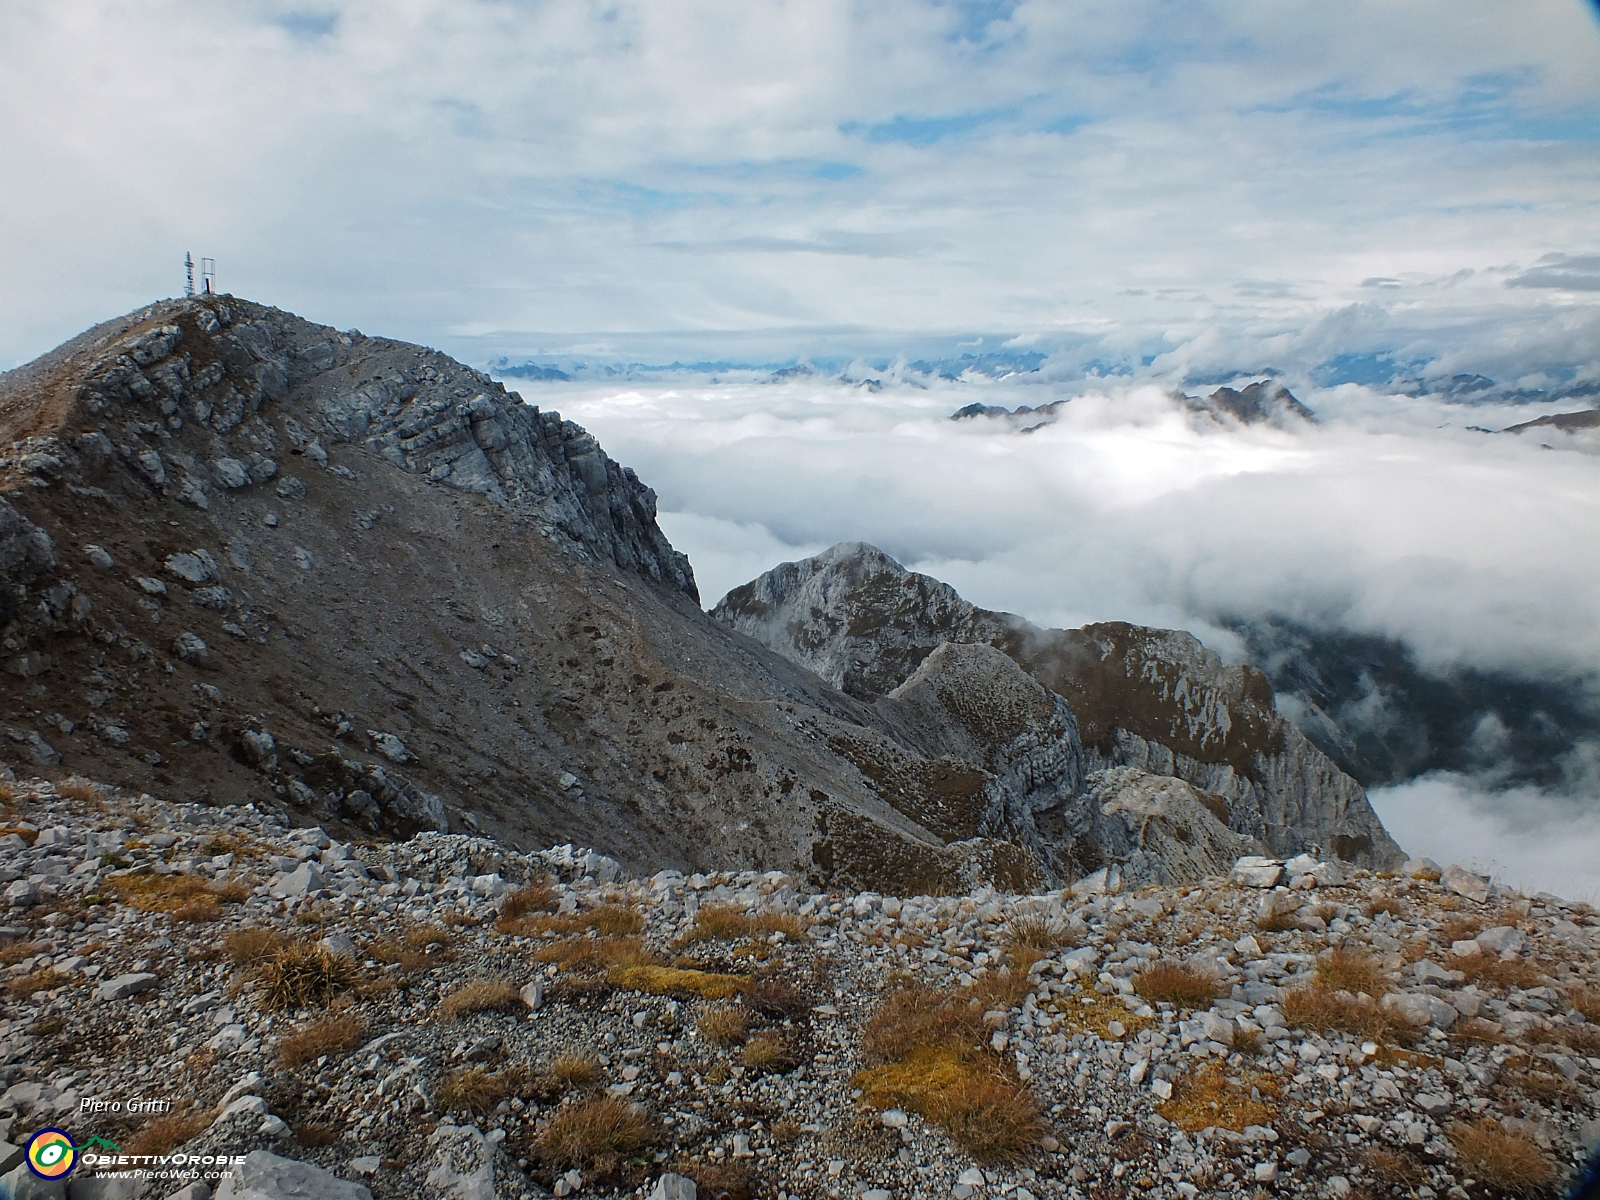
x=265 y=1176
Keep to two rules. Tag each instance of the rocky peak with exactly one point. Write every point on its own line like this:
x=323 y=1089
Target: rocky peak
x=1152 y=699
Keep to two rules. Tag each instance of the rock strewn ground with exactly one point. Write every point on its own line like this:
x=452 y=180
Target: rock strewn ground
x=301 y=999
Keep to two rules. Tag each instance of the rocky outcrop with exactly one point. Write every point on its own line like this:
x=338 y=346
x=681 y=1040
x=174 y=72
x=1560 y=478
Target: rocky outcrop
x=214 y=365
x=1156 y=700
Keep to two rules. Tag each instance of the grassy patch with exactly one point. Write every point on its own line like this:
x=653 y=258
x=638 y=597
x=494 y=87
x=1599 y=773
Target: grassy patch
x=1279 y=922
x=726 y=923
x=46 y=979
x=573 y=1071
x=721 y=1181
x=251 y=947
x=608 y=920
x=537 y=897
x=1587 y=1001
x=1313 y=1008
x=481 y=995
x=1351 y=971
x=1511 y=1162
x=172 y=893
x=478 y=1091
x=418 y=948
x=724 y=1026
x=679 y=981
x=76 y=787
x=1038 y=933
x=28 y=835
x=1211 y=1096
x=14 y=952
x=1383 y=904
x=304 y=975
x=164 y=1133
x=1177 y=984
x=1488 y=969
x=331 y=1035
x=592 y=955
x=927 y=1055
x=595 y=1136
x=1394 y=1168
x=769 y=1053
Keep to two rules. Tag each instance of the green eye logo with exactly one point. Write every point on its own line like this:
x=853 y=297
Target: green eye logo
x=51 y=1154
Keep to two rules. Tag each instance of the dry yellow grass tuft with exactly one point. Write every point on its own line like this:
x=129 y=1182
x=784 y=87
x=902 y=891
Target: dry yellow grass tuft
x=172 y=893
x=1587 y=1001
x=1210 y=1096
x=1460 y=930
x=769 y=1054
x=1383 y=904
x=162 y=1134
x=1037 y=933
x=304 y=975
x=1488 y=968
x=11 y=953
x=926 y=1047
x=679 y=981
x=331 y=1035
x=28 y=835
x=1176 y=984
x=1351 y=971
x=725 y=923
x=481 y=995
x=538 y=896
x=724 y=1026
x=595 y=1136
x=1313 y=1008
x=46 y=979
x=1394 y=1168
x=608 y=920
x=574 y=1071
x=1280 y=922
x=478 y=1091
x=253 y=946
x=76 y=787
x=1510 y=1162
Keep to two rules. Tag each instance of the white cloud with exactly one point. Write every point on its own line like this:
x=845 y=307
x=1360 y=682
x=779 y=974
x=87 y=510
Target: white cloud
x=1470 y=548
x=420 y=166
x=1525 y=838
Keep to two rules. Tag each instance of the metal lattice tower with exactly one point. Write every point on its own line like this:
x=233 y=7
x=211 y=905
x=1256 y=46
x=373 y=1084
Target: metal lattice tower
x=188 y=274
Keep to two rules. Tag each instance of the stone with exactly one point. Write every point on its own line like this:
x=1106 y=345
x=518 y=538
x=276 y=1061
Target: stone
x=198 y=1190
x=1217 y=1028
x=1464 y=883
x=391 y=747
x=1409 y=1007
x=877 y=1194
x=673 y=1187
x=1428 y=971
x=231 y=473
x=1465 y=948
x=1253 y=870
x=1502 y=939
x=40 y=751
x=150 y=587
x=464 y=1163
x=1432 y=1104
x=99 y=557
x=20 y=893
x=197 y=568
x=533 y=994
x=972 y=1177
x=265 y=1176
x=337 y=943
x=302 y=881
x=191 y=647
x=258 y=746
x=893 y=1118
x=1266 y=1172
x=1414 y=867
x=291 y=488
x=124 y=986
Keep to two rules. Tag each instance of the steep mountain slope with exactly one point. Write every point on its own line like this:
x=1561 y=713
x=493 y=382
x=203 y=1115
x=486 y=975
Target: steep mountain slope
x=250 y=558
x=1151 y=699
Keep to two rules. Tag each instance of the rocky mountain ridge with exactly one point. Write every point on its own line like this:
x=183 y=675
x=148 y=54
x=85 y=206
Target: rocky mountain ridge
x=252 y=558
x=1155 y=700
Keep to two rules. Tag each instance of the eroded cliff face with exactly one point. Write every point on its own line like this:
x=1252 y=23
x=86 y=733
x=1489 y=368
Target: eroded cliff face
x=1156 y=700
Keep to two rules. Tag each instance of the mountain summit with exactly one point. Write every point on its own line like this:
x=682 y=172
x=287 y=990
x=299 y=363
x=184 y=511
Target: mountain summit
x=252 y=559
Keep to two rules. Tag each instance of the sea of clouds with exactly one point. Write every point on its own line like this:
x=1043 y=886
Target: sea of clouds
x=1388 y=516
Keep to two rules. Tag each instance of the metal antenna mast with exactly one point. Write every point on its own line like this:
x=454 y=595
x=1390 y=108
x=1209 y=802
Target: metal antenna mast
x=188 y=274
x=208 y=274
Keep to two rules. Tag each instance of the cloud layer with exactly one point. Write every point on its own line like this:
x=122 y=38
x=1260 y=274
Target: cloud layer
x=1135 y=172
